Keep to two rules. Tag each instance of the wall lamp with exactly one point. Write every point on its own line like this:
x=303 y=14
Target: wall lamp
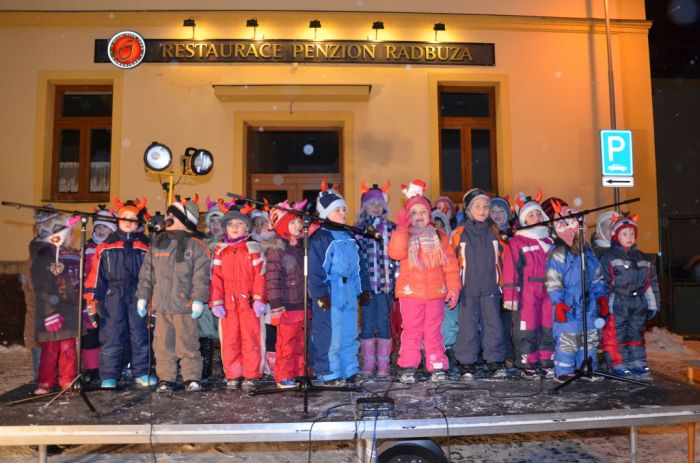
x=377 y=26
x=253 y=22
x=315 y=24
x=437 y=28
x=190 y=22
x=195 y=162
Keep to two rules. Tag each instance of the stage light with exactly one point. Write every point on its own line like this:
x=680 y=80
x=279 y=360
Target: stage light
x=189 y=22
x=315 y=24
x=157 y=157
x=437 y=28
x=376 y=26
x=198 y=161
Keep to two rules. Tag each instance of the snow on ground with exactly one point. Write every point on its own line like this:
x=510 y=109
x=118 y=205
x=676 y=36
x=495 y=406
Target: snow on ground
x=667 y=444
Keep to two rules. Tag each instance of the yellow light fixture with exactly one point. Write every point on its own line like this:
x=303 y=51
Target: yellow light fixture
x=315 y=24
x=437 y=28
x=190 y=22
x=377 y=26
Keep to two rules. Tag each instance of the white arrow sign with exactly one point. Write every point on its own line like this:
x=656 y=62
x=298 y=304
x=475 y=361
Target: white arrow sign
x=618 y=182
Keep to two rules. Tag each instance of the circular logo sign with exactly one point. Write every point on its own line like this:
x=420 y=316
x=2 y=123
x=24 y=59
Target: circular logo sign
x=126 y=49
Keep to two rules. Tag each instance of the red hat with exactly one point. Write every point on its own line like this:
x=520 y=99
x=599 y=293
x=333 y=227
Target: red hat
x=129 y=206
x=279 y=219
x=620 y=222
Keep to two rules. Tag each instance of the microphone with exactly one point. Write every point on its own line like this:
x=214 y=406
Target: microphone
x=159 y=226
x=371 y=232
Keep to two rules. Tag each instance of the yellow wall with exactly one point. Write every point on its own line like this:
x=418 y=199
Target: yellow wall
x=550 y=78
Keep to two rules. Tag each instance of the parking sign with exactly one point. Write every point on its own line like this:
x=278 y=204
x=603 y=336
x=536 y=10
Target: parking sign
x=616 y=153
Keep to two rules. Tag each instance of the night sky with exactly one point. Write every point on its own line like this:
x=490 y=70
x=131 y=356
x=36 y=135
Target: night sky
x=674 y=38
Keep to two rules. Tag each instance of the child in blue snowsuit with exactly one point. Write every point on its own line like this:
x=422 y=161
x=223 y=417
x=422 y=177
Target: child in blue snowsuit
x=337 y=277
x=564 y=287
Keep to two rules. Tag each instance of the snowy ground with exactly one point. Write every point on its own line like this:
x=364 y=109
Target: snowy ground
x=667 y=353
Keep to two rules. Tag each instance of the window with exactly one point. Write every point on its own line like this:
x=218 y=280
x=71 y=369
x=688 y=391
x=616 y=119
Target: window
x=289 y=162
x=82 y=138
x=467 y=140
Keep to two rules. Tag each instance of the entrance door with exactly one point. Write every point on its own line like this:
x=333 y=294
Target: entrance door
x=290 y=162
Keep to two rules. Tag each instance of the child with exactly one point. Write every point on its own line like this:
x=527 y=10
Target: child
x=337 y=276
x=237 y=299
x=630 y=278
x=564 y=287
x=103 y=224
x=524 y=295
x=284 y=280
x=428 y=278
x=375 y=337
x=447 y=207
x=450 y=321
x=174 y=277
x=55 y=274
x=109 y=292
x=480 y=326
x=600 y=240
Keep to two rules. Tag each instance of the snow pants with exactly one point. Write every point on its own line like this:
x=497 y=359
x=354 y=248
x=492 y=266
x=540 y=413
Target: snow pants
x=290 y=346
x=450 y=326
x=122 y=331
x=334 y=343
x=532 y=326
x=176 y=337
x=623 y=334
x=57 y=362
x=241 y=343
x=568 y=352
x=480 y=327
x=422 y=325
x=375 y=317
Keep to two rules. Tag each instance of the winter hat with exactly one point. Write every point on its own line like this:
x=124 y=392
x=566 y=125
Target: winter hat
x=603 y=224
x=186 y=211
x=47 y=222
x=548 y=205
x=215 y=209
x=375 y=194
x=279 y=219
x=102 y=217
x=438 y=214
x=328 y=200
x=238 y=212
x=620 y=222
x=503 y=203
x=526 y=204
x=443 y=202
x=565 y=229
x=57 y=238
x=469 y=198
x=414 y=192
x=130 y=206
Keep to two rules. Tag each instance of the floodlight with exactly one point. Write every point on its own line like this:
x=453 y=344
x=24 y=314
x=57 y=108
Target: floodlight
x=157 y=157
x=198 y=161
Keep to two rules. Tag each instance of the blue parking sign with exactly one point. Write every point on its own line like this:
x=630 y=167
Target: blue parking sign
x=616 y=153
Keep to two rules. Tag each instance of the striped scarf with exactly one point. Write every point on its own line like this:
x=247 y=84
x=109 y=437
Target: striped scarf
x=424 y=248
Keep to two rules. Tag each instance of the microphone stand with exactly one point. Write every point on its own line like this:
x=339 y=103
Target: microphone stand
x=305 y=386
x=586 y=369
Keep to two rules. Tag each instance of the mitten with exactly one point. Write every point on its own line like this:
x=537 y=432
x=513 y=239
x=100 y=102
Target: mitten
x=219 y=311
x=560 y=312
x=365 y=298
x=323 y=302
x=276 y=315
x=403 y=219
x=90 y=313
x=53 y=322
x=260 y=308
x=141 y=307
x=604 y=308
x=197 y=309
x=651 y=314
x=451 y=299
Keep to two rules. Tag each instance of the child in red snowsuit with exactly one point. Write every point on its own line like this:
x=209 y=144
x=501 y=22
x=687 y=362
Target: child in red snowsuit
x=237 y=298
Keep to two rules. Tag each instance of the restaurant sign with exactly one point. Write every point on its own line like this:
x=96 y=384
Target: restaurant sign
x=126 y=50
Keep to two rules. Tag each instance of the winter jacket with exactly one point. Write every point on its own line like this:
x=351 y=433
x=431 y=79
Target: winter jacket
x=459 y=247
x=237 y=276
x=428 y=283
x=116 y=263
x=55 y=294
x=284 y=277
x=381 y=269
x=175 y=272
x=630 y=273
x=524 y=263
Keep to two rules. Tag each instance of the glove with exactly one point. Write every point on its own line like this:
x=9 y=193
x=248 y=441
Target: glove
x=90 y=314
x=604 y=308
x=197 y=309
x=53 y=322
x=323 y=302
x=141 y=307
x=403 y=219
x=219 y=311
x=260 y=308
x=452 y=299
x=365 y=298
x=560 y=312
x=651 y=314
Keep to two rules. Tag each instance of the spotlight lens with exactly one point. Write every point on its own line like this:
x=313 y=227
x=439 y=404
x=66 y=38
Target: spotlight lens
x=308 y=149
x=202 y=162
x=157 y=157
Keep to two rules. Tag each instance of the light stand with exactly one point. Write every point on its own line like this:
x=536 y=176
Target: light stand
x=586 y=369
x=305 y=386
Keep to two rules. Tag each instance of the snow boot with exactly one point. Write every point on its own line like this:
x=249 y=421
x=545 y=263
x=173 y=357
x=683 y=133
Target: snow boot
x=383 y=357
x=451 y=360
x=369 y=360
x=205 y=348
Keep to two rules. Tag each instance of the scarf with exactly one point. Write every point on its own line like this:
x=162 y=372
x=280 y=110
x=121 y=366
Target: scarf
x=540 y=233
x=424 y=248
x=244 y=237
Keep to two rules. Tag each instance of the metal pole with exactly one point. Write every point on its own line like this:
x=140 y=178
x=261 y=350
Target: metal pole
x=43 y=453
x=611 y=90
x=633 y=444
